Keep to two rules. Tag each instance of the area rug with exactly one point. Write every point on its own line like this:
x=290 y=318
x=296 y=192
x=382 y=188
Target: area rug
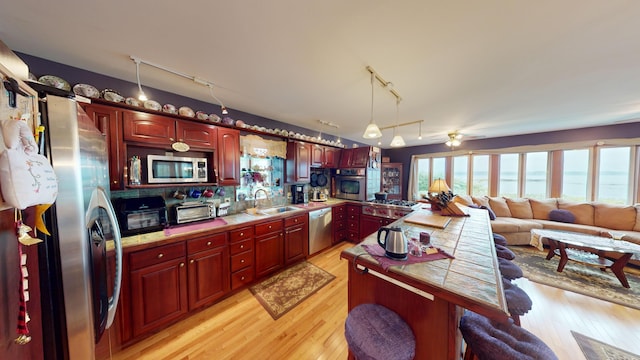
x=578 y=278
x=285 y=290
x=597 y=350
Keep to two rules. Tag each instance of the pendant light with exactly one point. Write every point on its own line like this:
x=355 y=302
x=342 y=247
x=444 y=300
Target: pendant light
x=141 y=95
x=397 y=140
x=372 y=131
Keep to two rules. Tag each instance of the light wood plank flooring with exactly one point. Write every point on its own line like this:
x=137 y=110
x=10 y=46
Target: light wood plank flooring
x=239 y=328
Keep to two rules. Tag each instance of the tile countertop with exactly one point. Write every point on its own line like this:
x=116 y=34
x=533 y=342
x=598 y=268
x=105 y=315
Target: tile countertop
x=138 y=242
x=471 y=280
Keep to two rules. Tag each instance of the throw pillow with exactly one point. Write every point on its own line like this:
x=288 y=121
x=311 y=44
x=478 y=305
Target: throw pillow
x=564 y=216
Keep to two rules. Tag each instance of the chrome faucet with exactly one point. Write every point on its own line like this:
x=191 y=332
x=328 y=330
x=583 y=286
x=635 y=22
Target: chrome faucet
x=255 y=196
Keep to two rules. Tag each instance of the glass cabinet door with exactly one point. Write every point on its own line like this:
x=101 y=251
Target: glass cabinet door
x=391 y=180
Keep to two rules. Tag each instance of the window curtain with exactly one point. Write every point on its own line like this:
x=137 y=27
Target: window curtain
x=412 y=187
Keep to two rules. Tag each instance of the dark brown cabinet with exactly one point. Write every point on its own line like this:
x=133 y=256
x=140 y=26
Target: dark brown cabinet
x=324 y=156
x=296 y=238
x=355 y=158
x=208 y=269
x=242 y=257
x=269 y=247
x=158 y=287
x=391 y=180
x=228 y=155
x=370 y=224
x=353 y=222
x=298 y=164
x=339 y=223
x=108 y=121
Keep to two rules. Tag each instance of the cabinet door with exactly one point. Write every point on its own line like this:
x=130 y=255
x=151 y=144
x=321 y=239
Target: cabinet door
x=228 y=155
x=208 y=276
x=296 y=243
x=370 y=224
x=345 y=158
x=298 y=164
x=317 y=155
x=149 y=128
x=158 y=294
x=331 y=157
x=391 y=180
x=197 y=135
x=108 y=121
x=269 y=253
x=360 y=157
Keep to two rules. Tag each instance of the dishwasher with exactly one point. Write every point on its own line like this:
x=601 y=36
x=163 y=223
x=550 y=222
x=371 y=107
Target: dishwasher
x=319 y=230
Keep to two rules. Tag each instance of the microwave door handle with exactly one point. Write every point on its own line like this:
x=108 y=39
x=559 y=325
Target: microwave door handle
x=100 y=199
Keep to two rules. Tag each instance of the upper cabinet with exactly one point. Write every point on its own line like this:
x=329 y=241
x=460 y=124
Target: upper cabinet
x=108 y=121
x=298 y=164
x=163 y=131
x=324 y=156
x=228 y=155
x=355 y=158
x=391 y=180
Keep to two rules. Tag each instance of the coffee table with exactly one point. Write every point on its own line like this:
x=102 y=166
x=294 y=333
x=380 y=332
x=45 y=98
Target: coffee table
x=588 y=250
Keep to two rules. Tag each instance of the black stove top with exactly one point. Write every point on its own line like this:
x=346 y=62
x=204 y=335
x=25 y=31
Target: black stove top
x=392 y=209
x=406 y=203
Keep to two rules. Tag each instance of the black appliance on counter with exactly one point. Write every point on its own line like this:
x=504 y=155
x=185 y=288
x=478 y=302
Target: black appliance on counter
x=141 y=215
x=299 y=195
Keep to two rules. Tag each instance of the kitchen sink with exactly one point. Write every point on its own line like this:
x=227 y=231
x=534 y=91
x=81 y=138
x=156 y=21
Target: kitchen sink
x=276 y=210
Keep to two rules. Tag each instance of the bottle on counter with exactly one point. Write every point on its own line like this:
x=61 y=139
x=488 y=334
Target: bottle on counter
x=135 y=171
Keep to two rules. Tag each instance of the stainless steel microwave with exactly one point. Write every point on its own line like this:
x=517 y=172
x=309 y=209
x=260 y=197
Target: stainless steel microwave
x=173 y=169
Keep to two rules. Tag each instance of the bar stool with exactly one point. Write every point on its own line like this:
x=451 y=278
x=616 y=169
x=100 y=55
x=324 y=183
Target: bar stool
x=499 y=239
x=504 y=252
x=488 y=340
x=508 y=269
x=518 y=302
x=374 y=332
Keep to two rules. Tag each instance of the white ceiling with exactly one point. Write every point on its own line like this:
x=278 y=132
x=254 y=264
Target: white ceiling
x=485 y=68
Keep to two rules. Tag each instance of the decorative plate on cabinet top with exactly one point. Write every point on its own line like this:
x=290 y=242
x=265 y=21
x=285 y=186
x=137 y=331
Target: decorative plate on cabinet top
x=86 y=90
x=214 y=118
x=111 y=95
x=168 y=108
x=240 y=123
x=202 y=115
x=133 y=101
x=186 y=111
x=228 y=121
x=152 y=105
x=55 y=82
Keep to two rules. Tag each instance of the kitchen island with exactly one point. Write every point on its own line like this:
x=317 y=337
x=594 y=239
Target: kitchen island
x=431 y=296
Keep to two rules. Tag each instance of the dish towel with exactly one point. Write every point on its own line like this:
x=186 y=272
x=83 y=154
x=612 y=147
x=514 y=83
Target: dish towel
x=378 y=253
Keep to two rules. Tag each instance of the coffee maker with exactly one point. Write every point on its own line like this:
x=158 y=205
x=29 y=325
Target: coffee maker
x=299 y=195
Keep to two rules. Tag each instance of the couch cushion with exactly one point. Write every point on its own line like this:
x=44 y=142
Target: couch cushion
x=616 y=217
x=520 y=208
x=499 y=206
x=541 y=208
x=504 y=225
x=481 y=200
x=562 y=215
x=584 y=229
x=637 y=226
x=583 y=212
x=463 y=200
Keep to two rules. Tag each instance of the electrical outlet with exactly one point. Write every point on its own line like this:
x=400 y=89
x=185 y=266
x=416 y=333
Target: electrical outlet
x=227 y=199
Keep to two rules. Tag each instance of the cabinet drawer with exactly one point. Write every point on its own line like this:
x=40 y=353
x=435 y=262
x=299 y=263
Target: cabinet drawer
x=268 y=227
x=339 y=216
x=339 y=209
x=143 y=258
x=241 y=278
x=241 y=246
x=353 y=236
x=354 y=209
x=340 y=235
x=241 y=260
x=295 y=220
x=206 y=243
x=353 y=217
x=241 y=234
x=353 y=225
x=339 y=225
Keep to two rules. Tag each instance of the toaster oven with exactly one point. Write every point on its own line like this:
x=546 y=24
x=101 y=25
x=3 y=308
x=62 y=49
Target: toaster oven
x=194 y=211
x=141 y=215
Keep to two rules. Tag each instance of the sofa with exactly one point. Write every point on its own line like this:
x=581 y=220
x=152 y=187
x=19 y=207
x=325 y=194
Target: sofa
x=515 y=218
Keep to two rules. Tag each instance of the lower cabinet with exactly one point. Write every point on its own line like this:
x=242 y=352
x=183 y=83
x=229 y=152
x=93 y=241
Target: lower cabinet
x=339 y=223
x=242 y=257
x=296 y=238
x=353 y=222
x=208 y=269
x=269 y=247
x=370 y=224
x=158 y=280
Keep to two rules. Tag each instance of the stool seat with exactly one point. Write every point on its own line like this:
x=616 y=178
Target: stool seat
x=518 y=302
x=499 y=239
x=508 y=269
x=504 y=252
x=374 y=332
x=490 y=340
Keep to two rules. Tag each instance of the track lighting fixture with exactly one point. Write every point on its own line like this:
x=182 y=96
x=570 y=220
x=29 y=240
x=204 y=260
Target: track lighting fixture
x=222 y=107
x=372 y=131
x=141 y=95
x=397 y=140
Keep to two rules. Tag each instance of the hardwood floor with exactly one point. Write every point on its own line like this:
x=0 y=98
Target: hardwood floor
x=239 y=328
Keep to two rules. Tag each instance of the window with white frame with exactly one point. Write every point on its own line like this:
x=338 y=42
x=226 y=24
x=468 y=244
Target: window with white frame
x=509 y=179
x=536 y=175
x=460 y=175
x=613 y=175
x=480 y=175
x=575 y=174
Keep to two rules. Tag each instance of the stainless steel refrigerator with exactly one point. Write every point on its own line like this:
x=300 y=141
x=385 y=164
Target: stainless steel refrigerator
x=77 y=303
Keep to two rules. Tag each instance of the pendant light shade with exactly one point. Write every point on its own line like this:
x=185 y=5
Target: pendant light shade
x=372 y=131
x=397 y=141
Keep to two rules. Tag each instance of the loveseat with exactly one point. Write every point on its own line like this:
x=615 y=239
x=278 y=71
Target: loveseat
x=515 y=218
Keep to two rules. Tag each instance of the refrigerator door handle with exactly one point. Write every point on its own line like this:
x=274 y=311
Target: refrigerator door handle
x=99 y=199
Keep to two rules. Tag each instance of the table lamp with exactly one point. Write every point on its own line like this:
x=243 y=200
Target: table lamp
x=437 y=186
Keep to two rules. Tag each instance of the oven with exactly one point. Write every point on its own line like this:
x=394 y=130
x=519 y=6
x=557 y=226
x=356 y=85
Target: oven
x=351 y=184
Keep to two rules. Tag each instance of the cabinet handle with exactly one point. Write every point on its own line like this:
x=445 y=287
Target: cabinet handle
x=160 y=256
x=269 y=226
x=296 y=220
x=208 y=243
x=242 y=278
x=191 y=261
x=241 y=246
x=181 y=264
x=171 y=139
x=242 y=261
x=241 y=234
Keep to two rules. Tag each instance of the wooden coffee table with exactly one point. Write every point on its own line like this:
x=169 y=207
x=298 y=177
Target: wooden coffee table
x=587 y=249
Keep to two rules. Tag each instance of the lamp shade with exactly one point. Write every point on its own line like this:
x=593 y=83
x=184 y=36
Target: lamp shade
x=438 y=186
x=397 y=141
x=372 y=132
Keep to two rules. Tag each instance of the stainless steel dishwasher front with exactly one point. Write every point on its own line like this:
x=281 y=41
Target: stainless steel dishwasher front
x=319 y=230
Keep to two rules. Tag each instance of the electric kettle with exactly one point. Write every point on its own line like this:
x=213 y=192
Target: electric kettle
x=395 y=244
